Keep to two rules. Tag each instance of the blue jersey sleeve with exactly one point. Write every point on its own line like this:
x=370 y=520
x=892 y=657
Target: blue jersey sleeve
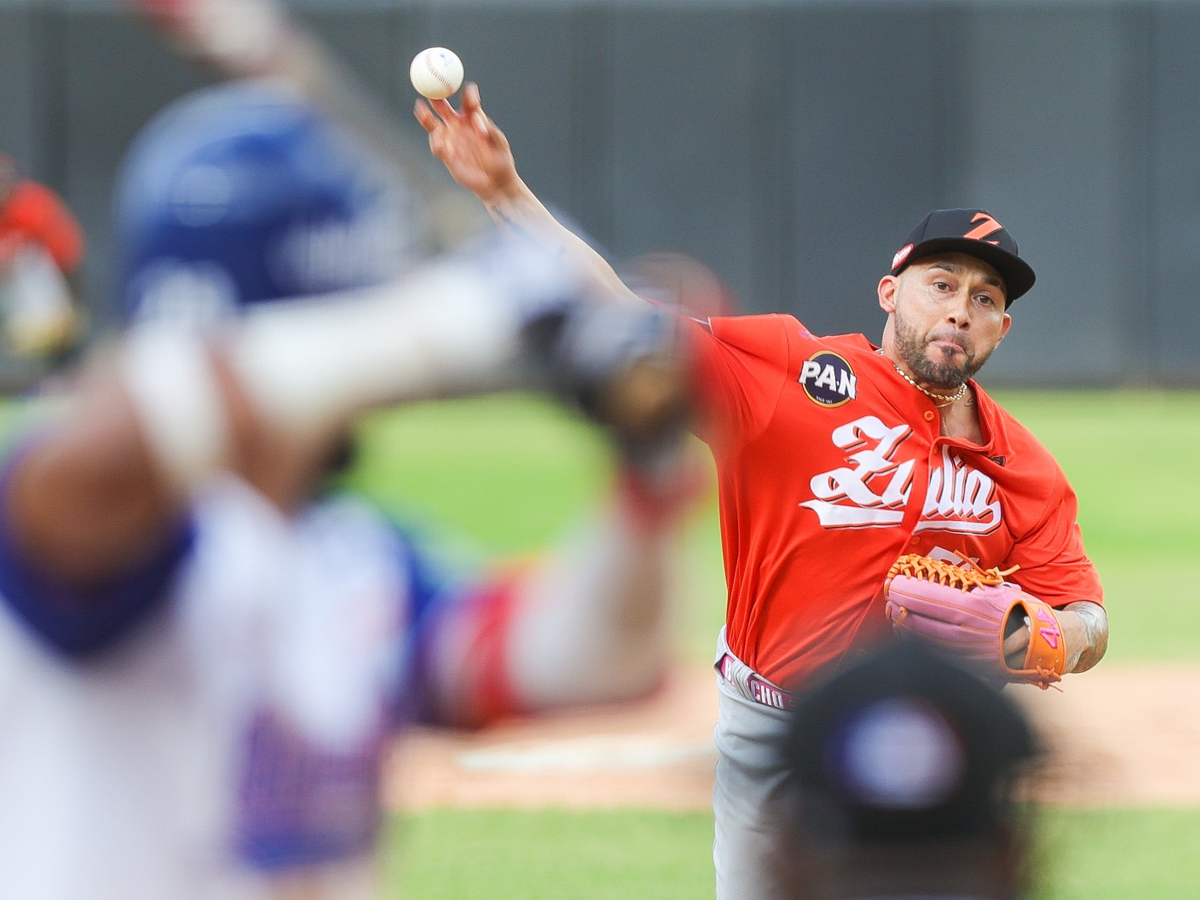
x=80 y=623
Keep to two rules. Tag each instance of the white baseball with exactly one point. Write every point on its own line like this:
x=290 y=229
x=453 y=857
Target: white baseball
x=436 y=72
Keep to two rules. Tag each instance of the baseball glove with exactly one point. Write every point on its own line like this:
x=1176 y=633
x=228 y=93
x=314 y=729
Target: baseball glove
x=970 y=611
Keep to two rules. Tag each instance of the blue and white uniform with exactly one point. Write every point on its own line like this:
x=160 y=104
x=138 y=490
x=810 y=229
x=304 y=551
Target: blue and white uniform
x=230 y=727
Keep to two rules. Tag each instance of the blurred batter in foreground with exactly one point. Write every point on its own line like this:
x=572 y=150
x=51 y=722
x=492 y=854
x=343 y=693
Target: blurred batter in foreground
x=204 y=648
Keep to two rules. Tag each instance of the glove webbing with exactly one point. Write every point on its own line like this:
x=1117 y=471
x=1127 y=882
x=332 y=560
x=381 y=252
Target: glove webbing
x=963 y=576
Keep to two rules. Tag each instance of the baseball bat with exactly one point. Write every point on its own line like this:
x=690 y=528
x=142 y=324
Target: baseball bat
x=247 y=38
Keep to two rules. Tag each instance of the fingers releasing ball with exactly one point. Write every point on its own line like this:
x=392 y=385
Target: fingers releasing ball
x=436 y=73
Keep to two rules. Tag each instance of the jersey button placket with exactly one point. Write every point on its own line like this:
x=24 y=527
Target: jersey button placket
x=930 y=415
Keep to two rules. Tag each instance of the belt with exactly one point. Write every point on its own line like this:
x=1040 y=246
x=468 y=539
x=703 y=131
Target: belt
x=753 y=686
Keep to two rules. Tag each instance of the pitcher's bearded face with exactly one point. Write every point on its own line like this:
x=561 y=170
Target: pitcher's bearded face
x=947 y=318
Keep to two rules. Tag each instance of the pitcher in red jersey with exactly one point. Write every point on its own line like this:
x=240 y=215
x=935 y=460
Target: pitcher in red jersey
x=835 y=456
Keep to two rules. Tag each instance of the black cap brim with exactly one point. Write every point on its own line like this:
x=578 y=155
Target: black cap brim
x=1017 y=274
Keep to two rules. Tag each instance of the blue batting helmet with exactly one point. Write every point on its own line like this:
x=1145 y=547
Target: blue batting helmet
x=245 y=193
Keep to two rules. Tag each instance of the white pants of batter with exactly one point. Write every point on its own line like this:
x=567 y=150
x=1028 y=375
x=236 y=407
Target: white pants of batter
x=748 y=778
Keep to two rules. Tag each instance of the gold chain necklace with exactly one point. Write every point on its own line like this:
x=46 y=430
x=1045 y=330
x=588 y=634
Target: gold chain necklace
x=945 y=399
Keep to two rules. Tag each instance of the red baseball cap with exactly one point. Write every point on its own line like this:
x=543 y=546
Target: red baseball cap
x=974 y=232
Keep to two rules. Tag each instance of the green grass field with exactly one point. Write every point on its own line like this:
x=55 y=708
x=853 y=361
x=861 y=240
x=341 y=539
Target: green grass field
x=1127 y=854
x=506 y=475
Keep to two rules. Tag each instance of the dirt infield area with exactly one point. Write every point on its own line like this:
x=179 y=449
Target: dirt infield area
x=1118 y=736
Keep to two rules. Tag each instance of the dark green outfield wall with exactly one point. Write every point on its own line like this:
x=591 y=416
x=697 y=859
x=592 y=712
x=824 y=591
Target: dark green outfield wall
x=791 y=145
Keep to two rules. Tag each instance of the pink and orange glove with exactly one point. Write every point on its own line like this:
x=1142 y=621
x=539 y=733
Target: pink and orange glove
x=971 y=612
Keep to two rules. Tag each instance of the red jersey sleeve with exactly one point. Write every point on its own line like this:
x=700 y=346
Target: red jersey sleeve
x=1052 y=561
x=739 y=367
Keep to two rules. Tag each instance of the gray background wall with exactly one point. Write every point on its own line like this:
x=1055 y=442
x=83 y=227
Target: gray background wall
x=791 y=145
